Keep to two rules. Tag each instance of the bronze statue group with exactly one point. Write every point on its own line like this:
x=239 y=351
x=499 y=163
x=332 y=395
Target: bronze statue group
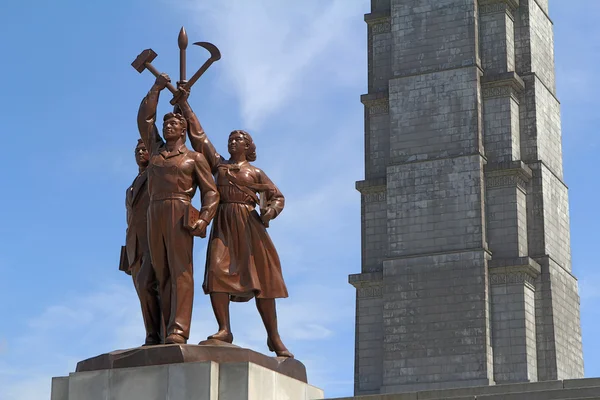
x=241 y=261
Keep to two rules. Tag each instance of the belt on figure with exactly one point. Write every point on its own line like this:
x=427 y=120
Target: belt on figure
x=248 y=203
x=170 y=196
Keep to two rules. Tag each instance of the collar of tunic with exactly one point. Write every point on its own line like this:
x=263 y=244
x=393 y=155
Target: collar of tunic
x=162 y=150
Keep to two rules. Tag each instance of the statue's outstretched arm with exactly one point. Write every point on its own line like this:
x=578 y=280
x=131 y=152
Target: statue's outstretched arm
x=146 y=119
x=198 y=138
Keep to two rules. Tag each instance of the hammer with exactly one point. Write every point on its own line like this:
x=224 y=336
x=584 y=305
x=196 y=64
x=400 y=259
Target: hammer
x=143 y=61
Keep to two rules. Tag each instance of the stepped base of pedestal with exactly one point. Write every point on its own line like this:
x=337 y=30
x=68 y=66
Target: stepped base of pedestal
x=184 y=353
x=186 y=372
x=572 y=389
x=204 y=380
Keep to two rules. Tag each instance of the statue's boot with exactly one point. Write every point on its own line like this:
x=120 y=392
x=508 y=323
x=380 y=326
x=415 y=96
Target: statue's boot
x=175 y=338
x=152 y=340
x=268 y=313
x=220 y=305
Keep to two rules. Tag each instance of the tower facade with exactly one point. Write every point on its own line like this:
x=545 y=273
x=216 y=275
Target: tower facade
x=466 y=267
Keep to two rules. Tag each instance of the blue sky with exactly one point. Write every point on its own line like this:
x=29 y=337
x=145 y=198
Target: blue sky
x=291 y=74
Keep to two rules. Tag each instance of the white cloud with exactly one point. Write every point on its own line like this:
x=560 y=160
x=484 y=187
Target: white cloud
x=85 y=325
x=282 y=60
x=273 y=49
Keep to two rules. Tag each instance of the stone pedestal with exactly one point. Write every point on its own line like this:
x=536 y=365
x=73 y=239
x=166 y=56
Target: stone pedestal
x=570 y=389
x=185 y=372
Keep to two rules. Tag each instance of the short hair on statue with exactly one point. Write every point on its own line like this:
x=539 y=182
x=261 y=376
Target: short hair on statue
x=178 y=116
x=251 y=152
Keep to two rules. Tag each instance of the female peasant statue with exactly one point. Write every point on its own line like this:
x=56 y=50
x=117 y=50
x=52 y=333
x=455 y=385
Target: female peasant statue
x=241 y=261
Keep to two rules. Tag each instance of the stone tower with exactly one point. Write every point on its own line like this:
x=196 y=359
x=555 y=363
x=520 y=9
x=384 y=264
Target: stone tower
x=466 y=266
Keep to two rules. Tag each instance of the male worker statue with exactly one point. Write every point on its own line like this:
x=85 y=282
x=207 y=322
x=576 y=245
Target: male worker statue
x=136 y=246
x=174 y=173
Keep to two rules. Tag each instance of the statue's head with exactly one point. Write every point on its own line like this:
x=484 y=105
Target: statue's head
x=174 y=127
x=141 y=154
x=241 y=142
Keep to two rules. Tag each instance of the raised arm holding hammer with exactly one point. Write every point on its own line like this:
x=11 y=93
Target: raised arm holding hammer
x=174 y=174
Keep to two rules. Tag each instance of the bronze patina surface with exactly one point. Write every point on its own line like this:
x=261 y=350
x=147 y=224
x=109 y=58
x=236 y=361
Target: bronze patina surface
x=184 y=353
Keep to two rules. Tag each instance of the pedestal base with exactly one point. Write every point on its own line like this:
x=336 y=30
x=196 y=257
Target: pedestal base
x=186 y=372
x=571 y=389
x=185 y=353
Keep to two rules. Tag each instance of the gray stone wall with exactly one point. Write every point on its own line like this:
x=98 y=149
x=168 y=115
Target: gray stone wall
x=369 y=332
x=374 y=220
x=502 y=136
x=507 y=221
x=513 y=322
x=497 y=40
x=435 y=206
x=434 y=115
x=513 y=314
x=534 y=45
x=541 y=138
x=557 y=323
x=567 y=329
x=380 y=52
x=433 y=35
x=436 y=321
x=466 y=266
x=377 y=140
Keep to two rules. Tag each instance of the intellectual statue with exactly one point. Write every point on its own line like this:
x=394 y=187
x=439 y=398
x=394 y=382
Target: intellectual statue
x=241 y=261
x=174 y=174
x=136 y=257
